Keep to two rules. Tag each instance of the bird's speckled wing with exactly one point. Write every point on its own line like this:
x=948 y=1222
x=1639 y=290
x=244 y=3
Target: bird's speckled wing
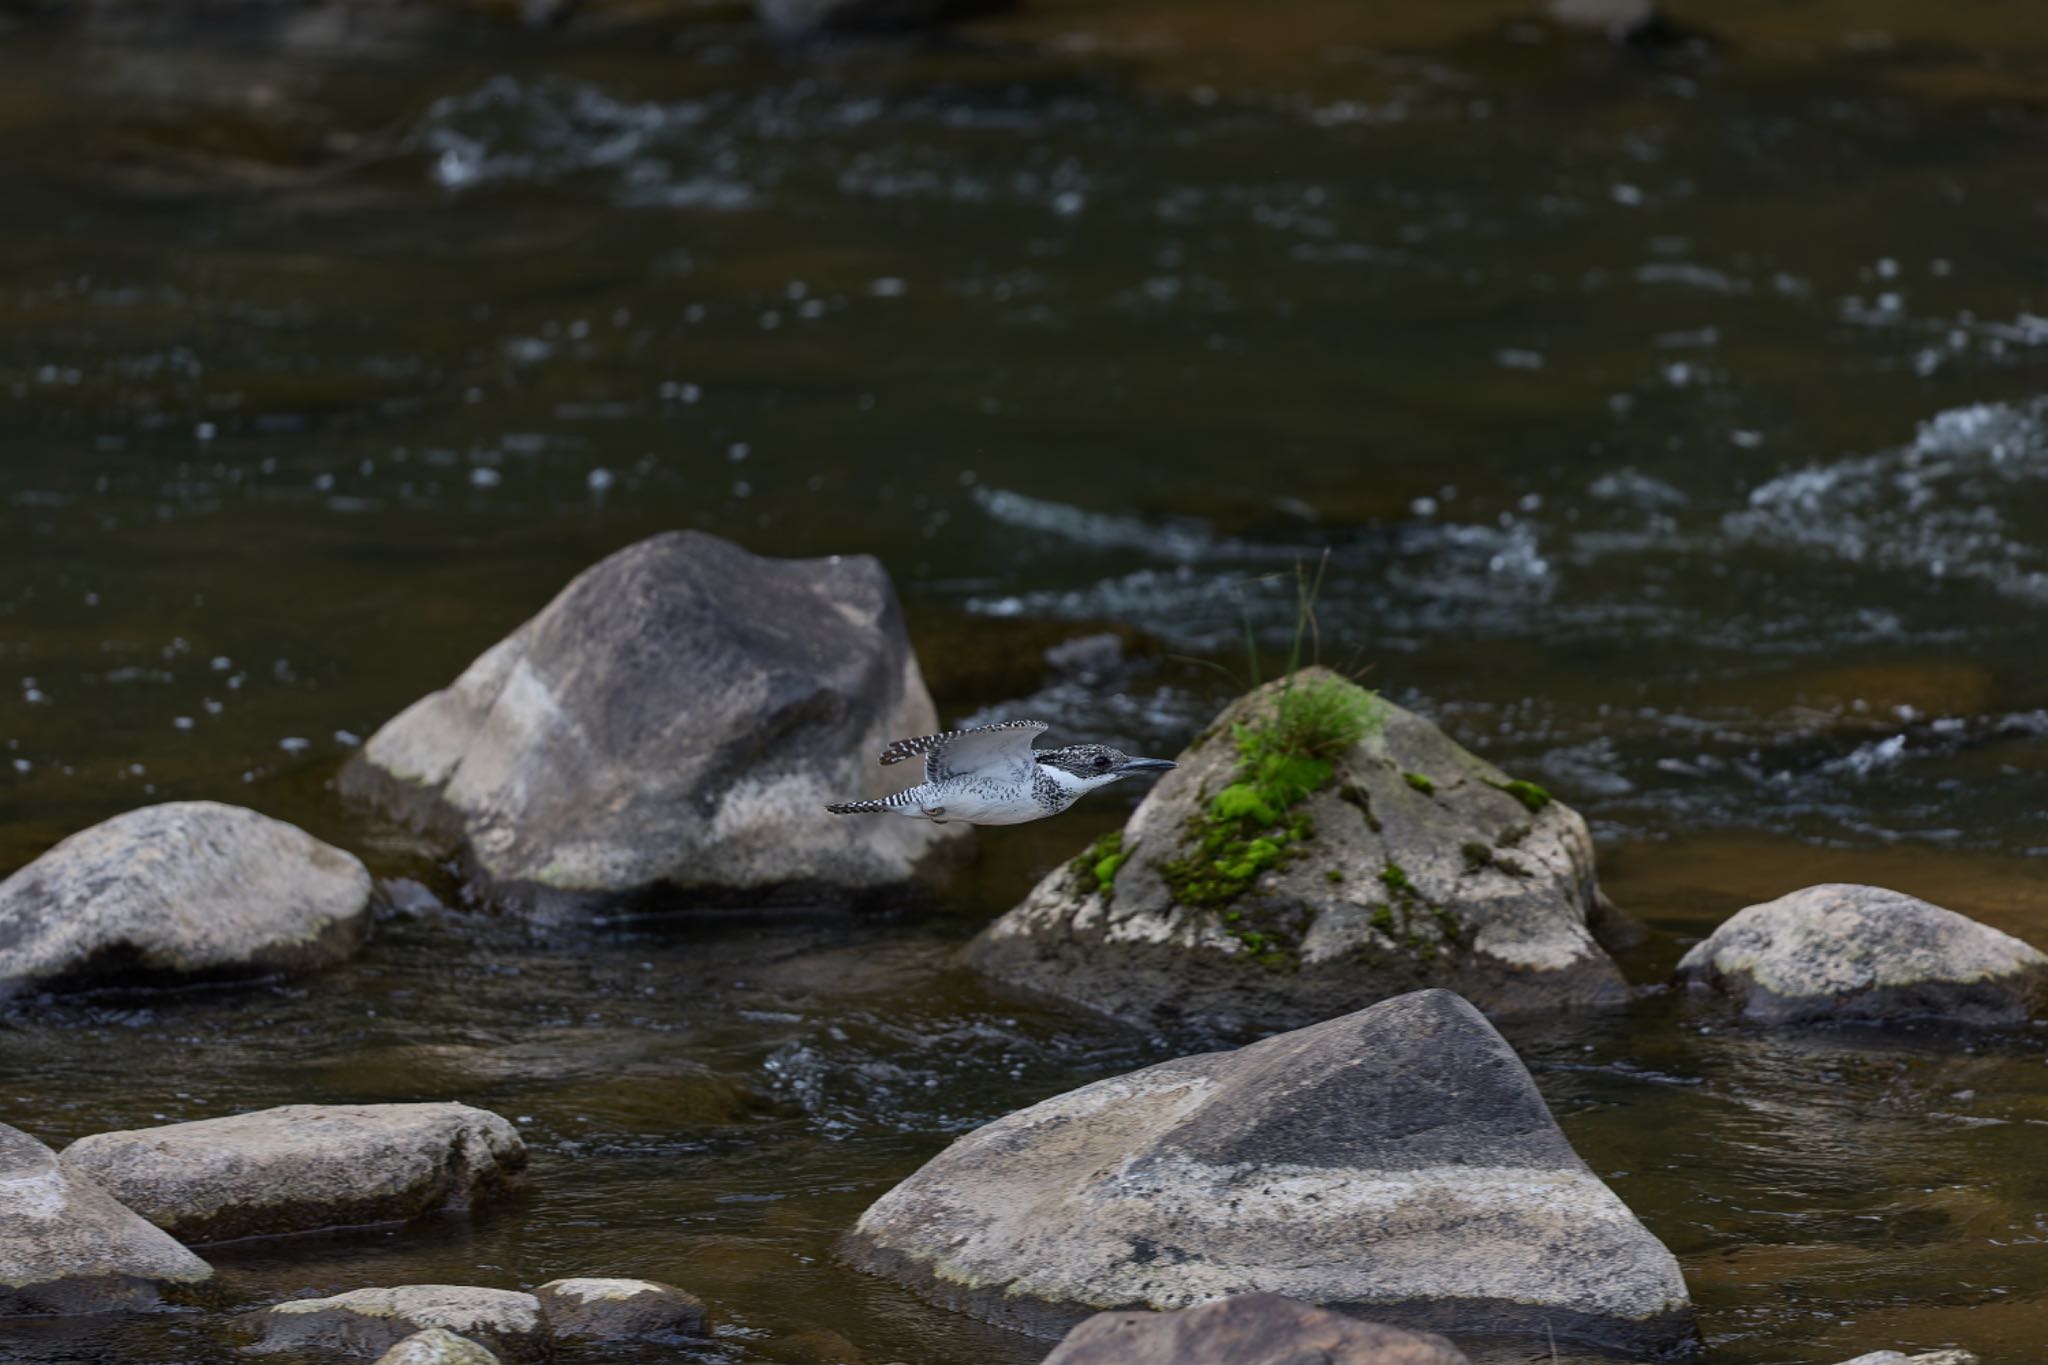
x=999 y=750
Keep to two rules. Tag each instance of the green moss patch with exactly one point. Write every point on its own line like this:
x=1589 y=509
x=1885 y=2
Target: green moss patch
x=1533 y=797
x=1421 y=782
x=1252 y=825
x=1413 y=920
x=1096 y=869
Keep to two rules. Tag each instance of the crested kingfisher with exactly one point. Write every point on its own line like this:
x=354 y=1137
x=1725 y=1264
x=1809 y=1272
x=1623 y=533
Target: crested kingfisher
x=991 y=775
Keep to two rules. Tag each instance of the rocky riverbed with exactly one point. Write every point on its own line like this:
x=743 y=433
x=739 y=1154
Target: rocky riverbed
x=1670 y=405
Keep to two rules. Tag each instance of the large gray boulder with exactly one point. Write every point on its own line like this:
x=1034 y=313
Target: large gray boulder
x=365 y=1323
x=1863 y=954
x=676 y=719
x=1249 y=1329
x=1397 y=1162
x=437 y=1346
x=1419 y=864
x=608 y=1311
x=304 y=1166
x=66 y=1246
x=191 y=889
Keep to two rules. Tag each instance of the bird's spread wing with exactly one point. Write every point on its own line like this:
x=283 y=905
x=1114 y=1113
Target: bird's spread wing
x=1002 y=749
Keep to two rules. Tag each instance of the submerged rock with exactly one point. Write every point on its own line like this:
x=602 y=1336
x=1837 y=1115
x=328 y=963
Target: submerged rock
x=1397 y=1162
x=802 y=18
x=191 y=889
x=1634 y=22
x=1415 y=864
x=1863 y=954
x=437 y=1346
x=367 y=1322
x=304 y=1166
x=66 y=1246
x=677 y=718
x=600 y=1310
x=1250 y=1329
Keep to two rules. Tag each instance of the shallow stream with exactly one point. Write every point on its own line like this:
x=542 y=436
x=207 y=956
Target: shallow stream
x=1676 y=421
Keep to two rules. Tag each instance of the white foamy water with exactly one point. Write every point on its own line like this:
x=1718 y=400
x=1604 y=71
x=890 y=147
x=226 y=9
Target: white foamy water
x=1936 y=506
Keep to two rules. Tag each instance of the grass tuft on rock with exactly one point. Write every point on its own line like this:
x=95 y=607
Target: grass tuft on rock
x=1284 y=757
x=1286 y=753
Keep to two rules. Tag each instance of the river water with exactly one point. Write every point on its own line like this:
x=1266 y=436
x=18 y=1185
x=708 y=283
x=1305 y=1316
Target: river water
x=1676 y=422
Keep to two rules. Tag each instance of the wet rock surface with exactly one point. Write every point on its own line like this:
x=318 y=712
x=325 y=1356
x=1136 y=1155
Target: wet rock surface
x=367 y=1322
x=1421 y=865
x=1948 y=1357
x=614 y=1310
x=437 y=1346
x=1397 y=1162
x=67 y=1246
x=1249 y=1329
x=304 y=1166
x=675 y=720
x=1864 y=954
x=189 y=889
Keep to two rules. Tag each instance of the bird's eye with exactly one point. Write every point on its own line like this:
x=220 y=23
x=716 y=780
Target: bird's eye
x=1102 y=760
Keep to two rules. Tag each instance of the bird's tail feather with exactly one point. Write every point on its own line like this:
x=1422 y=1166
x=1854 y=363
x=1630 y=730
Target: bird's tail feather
x=858 y=807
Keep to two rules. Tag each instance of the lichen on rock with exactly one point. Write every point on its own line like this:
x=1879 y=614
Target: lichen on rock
x=1848 y=953
x=67 y=1246
x=186 y=890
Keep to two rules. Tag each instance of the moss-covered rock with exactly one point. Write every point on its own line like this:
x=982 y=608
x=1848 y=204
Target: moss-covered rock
x=1251 y=892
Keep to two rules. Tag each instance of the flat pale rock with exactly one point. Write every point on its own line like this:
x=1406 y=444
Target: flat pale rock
x=1950 y=1357
x=603 y=1310
x=304 y=1166
x=1397 y=1163
x=191 y=889
x=66 y=1246
x=1249 y=1329
x=437 y=1346
x=1425 y=866
x=1843 y=952
x=366 y=1323
x=675 y=721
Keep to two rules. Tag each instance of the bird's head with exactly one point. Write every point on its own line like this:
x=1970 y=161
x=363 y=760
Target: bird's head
x=1096 y=765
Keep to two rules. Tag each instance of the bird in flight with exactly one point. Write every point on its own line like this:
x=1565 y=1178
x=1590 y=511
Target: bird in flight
x=990 y=775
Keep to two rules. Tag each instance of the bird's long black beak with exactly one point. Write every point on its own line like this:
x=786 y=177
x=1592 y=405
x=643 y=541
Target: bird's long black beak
x=1144 y=765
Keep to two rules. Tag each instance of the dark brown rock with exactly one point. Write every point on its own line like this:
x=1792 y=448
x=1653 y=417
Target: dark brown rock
x=1249 y=1329
x=617 y=1311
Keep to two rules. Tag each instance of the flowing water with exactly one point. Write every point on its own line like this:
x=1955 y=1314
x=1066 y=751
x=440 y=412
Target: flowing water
x=1676 y=421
